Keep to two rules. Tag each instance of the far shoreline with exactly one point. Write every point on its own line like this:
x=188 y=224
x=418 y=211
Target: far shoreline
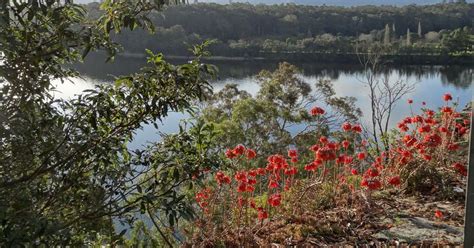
x=405 y=59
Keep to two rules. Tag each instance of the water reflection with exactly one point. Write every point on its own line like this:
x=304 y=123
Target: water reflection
x=432 y=82
x=455 y=75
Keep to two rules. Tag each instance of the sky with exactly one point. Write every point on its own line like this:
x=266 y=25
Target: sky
x=320 y=2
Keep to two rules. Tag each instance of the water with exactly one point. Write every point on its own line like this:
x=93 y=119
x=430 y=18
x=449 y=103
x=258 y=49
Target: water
x=431 y=83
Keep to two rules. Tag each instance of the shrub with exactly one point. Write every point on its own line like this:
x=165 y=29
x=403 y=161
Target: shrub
x=424 y=155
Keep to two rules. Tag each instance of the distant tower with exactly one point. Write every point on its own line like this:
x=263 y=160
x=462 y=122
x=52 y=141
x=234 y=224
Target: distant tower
x=408 y=37
x=419 y=29
x=386 y=38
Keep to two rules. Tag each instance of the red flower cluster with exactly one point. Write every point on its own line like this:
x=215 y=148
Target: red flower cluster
x=240 y=150
x=429 y=134
x=371 y=179
x=275 y=200
x=221 y=178
x=347 y=127
x=460 y=168
x=317 y=111
x=447 y=97
x=202 y=197
x=425 y=138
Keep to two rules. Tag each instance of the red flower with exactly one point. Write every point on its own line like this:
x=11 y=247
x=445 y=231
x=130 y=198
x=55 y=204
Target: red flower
x=372 y=172
x=242 y=187
x=395 y=181
x=345 y=144
x=443 y=129
x=408 y=120
x=272 y=184
x=361 y=155
x=294 y=160
x=261 y=171
x=357 y=128
x=239 y=150
x=340 y=159
x=432 y=140
x=291 y=171
x=332 y=145
x=402 y=127
x=250 y=188
x=460 y=168
x=406 y=154
x=429 y=113
x=274 y=200
x=410 y=101
x=426 y=157
x=241 y=176
x=251 y=153
x=222 y=178
x=447 y=97
x=252 y=173
x=230 y=154
x=309 y=167
x=325 y=154
x=252 y=181
x=241 y=201
x=323 y=139
x=416 y=119
x=314 y=148
x=453 y=147
x=424 y=129
x=364 y=182
x=292 y=153
x=374 y=184
x=317 y=111
x=252 y=204
x=354 y=172
x=438 y=214
x=447 y=110
x=348 y=159
x=262 y=214
x=409 y=140
x=201 y=196
x=346 y=126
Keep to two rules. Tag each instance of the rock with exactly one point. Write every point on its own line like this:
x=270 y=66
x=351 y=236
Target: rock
x=417 y=229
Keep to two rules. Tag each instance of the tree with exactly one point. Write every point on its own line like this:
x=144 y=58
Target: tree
x=265 y=122
x=420 y=35
x=408 y=37
x=459 y=41
x=383 y=94
x=66 y=173
x=386 y=38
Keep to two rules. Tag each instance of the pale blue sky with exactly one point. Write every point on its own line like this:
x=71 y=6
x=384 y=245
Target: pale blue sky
x=319 y=2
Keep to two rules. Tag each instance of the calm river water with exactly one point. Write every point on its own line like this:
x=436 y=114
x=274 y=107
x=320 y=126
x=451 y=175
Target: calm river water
x=431 y=82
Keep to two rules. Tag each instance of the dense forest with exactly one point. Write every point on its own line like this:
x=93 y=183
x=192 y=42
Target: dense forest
x=260 y=30
x=234 y=174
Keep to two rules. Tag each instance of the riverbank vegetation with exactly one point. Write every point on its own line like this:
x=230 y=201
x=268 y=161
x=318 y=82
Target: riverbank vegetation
x=290 y=198
x=296 y=32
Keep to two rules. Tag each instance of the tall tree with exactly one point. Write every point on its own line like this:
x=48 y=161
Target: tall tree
x=386 y=37
x=66 y=173
x=408 y=37
x=420 y=35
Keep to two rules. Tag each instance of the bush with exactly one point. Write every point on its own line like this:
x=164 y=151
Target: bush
x=426 y=155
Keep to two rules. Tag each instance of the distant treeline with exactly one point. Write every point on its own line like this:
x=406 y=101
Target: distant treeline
x=247 y=30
